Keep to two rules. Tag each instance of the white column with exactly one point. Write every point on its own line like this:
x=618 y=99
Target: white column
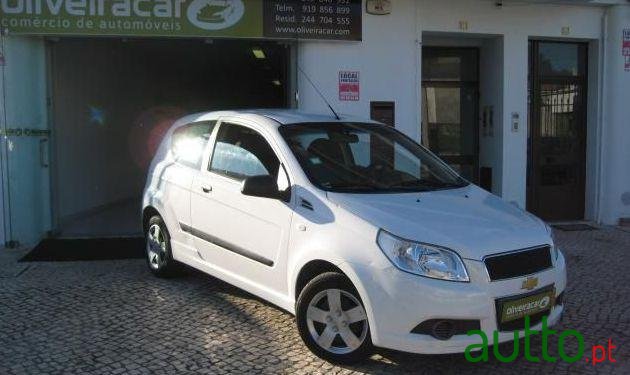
x=515 y=65
x=615 y=179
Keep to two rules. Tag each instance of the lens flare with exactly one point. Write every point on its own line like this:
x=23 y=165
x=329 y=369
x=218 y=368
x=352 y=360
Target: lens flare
x=97 y=115
x=147 y=132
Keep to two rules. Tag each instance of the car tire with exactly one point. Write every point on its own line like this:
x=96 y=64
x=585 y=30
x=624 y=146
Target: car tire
x=158 y=252
x=337 y=332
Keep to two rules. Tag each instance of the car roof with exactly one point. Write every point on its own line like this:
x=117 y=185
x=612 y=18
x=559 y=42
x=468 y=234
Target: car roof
x=279 y=116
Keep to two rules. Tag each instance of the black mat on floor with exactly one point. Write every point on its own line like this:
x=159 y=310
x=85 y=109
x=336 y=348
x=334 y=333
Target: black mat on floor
x=573 y=227
x=68 y=250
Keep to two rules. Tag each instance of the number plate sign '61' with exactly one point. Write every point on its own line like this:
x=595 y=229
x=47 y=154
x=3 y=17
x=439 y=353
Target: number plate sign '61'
x=379 y=7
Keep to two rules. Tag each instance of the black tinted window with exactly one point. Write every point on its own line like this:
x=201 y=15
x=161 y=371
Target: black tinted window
x=189 y=141
x=354 y=157
x=241 y=152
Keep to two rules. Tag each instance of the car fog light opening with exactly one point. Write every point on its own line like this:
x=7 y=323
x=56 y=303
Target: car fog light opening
x=445 y=329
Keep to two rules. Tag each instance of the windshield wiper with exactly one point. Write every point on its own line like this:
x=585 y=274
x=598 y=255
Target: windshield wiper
x=426 y=185
x=354 y=186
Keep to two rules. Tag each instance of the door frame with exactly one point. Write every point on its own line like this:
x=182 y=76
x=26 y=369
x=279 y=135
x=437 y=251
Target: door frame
x=55 y=221
x=25 y=222
x=475 y=85
x=535 y=80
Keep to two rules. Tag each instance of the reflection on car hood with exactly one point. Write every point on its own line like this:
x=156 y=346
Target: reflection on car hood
x=469 y=220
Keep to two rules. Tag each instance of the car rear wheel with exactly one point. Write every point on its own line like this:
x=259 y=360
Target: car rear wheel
x=158 y=248
x=332 y=320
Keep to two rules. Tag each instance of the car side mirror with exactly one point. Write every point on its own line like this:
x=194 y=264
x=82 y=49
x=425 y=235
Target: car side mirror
x=263 y=187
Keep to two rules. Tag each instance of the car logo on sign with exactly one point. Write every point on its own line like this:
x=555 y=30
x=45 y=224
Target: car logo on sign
x=530 y=283
x=215 y=14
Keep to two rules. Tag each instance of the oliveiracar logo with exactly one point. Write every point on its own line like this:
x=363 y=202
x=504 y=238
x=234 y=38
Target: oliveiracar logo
x=215 y=14
x=480 y=352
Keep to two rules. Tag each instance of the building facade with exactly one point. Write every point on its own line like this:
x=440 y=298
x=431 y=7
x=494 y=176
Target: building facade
x=528 y=99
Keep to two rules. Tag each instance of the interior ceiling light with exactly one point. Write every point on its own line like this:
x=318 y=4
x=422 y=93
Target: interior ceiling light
x=258 y=53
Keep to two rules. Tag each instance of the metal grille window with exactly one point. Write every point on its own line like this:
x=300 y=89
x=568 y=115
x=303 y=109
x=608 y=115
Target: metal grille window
x=557 y=130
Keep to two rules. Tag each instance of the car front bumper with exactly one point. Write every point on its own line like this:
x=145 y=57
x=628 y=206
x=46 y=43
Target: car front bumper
x=396 y=302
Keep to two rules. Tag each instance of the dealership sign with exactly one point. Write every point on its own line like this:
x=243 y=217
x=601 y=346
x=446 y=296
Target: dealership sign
x=340 y=19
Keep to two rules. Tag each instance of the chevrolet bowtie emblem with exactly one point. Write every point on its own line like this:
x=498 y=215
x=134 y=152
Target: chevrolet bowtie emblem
x=530 y=283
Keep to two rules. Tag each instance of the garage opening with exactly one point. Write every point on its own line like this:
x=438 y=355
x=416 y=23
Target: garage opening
x=113 y=99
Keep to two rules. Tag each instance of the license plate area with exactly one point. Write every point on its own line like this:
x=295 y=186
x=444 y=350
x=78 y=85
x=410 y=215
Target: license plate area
x=511 y=311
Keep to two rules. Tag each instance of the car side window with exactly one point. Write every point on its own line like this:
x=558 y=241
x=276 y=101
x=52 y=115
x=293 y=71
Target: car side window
x=241 y=152
x=189 y=141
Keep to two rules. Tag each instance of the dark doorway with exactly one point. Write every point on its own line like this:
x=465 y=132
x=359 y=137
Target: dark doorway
x=557 y=130
x=450 y=107
x=113 y=99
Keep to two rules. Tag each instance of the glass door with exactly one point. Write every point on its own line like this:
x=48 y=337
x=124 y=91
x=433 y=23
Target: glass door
x=450 y=107
x=557 y=130
x=25 y=141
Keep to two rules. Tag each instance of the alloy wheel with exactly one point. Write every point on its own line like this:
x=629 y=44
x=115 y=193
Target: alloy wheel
x=156 y=247
x=337 y=321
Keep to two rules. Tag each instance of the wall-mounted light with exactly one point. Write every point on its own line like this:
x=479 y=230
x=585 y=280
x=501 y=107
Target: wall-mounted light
x=276 y=82
x=258 y=53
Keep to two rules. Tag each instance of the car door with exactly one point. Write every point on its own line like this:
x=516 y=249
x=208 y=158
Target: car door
x=187 y=146
x=243 y=237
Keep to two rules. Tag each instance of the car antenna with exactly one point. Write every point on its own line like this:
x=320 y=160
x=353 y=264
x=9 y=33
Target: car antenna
x=319 y=93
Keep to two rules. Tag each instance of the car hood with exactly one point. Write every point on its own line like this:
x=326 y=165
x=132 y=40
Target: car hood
x=468 y=220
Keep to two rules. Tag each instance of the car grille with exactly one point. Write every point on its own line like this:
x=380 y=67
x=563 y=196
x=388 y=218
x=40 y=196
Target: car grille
x=518 y=263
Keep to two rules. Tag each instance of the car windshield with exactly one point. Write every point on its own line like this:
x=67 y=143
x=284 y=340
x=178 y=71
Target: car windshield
x=366 y=158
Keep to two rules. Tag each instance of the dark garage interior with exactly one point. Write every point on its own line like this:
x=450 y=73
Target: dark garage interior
x=113 y=99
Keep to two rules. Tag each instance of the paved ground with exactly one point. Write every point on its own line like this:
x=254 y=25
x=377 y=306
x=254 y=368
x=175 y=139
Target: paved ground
x=112 y=317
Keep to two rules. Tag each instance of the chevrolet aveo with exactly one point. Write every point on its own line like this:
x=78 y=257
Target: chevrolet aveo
x=361 y=233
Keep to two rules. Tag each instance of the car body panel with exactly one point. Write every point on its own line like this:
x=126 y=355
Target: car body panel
x=252 y=233
x=469 y=220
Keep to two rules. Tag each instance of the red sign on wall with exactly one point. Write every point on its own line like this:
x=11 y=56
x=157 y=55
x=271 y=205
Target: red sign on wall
x=349 y=86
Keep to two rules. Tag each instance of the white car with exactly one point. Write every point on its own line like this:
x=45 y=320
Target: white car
x=364 y=235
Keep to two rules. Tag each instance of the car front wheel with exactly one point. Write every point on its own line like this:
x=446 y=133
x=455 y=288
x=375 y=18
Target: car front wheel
x=332 y=320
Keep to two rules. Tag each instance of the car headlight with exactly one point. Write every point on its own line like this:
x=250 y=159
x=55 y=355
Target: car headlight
x=422 y=259
x=554 y=248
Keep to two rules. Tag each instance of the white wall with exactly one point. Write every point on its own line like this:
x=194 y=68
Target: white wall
x=593 y=141
x=386 y=59
x=615 y=192
x=491 y=94
x=389 y=61
x=517 y=22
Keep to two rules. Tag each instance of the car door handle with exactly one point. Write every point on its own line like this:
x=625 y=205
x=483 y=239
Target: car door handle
x=206 y=188
x=42 y=153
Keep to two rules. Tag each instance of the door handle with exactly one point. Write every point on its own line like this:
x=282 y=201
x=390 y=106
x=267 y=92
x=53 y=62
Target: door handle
x=206 y=188
x=42 y=152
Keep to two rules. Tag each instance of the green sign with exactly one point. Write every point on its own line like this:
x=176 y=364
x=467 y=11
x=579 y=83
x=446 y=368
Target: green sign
x=209 y=18
x=282 y=19
x=530 y=305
